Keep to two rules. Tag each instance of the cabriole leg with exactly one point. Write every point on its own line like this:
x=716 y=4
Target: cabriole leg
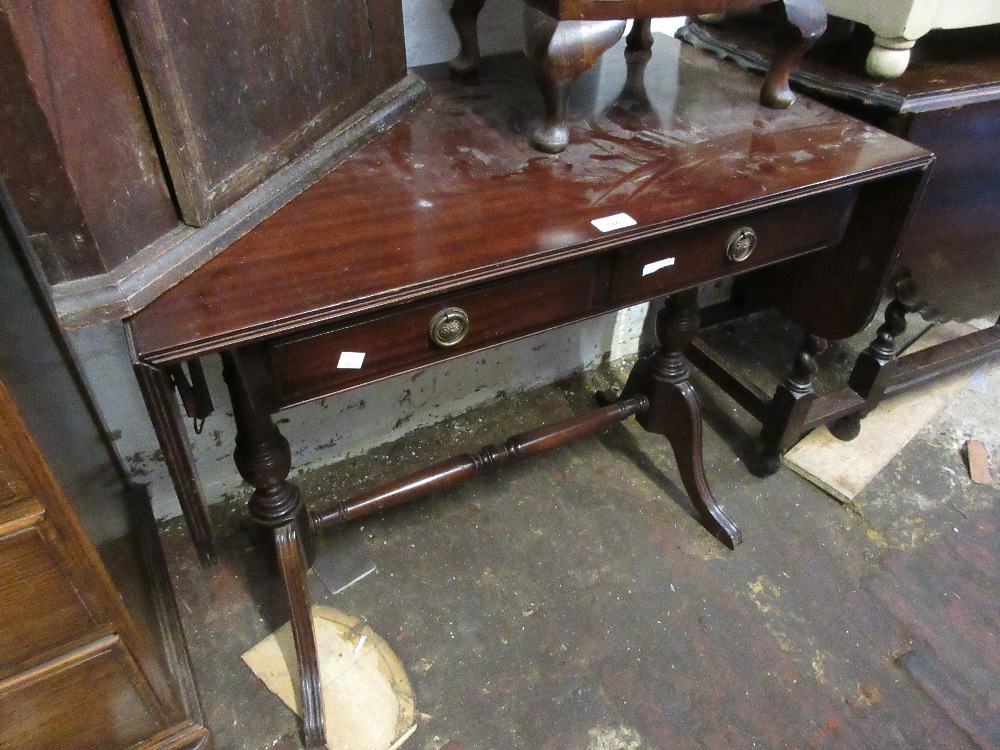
x=559 y=51
x=808 y=19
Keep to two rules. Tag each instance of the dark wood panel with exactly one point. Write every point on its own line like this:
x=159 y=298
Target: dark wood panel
x=665 y=265
x=953 y=247
x=462 y=197
x=238 y=89
x=77 y=152
x=389 y=62
x=834 y=294
x=309 y=365
x=32 y=171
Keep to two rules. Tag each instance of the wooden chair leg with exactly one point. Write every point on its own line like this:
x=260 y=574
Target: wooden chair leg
x=674 y=412
x=808 y=17
x=263 y=459
x=465 y=17
x=559 y=51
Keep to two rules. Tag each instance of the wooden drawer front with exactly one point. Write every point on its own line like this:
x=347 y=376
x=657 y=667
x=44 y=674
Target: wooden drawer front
x=39 y=606
x=93 y=698
x=667 y=264
x=312 y=365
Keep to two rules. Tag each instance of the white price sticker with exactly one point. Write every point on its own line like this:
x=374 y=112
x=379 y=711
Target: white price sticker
x=350 y=360
x=656 y=266
x=610 y=223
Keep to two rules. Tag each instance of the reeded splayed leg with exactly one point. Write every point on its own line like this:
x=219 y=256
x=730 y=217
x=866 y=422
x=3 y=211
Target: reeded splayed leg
x=674 y=412
x=559 y=51
x=263 y=459
x=465 y=17
x=808 y=17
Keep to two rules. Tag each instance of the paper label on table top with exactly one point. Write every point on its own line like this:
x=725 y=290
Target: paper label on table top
x=610 y=223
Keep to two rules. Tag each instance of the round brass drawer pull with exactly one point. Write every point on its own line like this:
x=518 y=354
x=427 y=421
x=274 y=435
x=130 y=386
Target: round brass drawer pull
x=449 y=326
x=741 y=244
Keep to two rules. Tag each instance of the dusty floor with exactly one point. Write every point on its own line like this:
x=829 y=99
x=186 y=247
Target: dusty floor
x=574 y=603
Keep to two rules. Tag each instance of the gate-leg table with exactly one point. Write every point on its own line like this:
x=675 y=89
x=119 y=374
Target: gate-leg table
x=947 y=101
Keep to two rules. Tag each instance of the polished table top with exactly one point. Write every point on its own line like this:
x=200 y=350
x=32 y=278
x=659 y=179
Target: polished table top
x=456 y=195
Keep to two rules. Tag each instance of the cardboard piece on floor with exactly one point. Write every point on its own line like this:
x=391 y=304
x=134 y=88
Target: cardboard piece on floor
x=367 y=699
x=844 y=469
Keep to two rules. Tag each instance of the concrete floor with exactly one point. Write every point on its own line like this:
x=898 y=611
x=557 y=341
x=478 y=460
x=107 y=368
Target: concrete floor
x=574 y=603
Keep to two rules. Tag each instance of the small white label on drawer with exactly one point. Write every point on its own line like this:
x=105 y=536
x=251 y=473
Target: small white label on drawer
x=618 y=221
x=350 y=360
x=656 y=266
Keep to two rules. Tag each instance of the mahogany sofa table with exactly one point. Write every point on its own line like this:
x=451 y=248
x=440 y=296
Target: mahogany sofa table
x=450 y=234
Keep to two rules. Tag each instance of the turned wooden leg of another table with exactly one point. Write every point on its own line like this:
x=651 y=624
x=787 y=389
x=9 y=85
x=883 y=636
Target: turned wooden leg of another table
x=640 y=36
x=790 y=405
x=263 y=459
x=674 y=412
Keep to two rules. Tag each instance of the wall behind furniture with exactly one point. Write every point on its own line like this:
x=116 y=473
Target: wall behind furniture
x=353 y=422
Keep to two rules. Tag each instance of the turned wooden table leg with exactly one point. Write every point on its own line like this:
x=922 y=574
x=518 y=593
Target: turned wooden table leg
x=465 y=17
x=790 y=405
x=559 y=51
x=874 y=368
x=263 y=459
x=640 y=36
x=808 y=17
x=674 y=412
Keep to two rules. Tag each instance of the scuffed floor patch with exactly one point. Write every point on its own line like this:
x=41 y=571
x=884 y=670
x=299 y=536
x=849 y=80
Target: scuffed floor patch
x=610 y=738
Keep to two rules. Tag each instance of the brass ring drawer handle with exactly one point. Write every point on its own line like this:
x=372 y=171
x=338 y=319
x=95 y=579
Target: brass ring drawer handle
x=449 y=326
x=741 y=244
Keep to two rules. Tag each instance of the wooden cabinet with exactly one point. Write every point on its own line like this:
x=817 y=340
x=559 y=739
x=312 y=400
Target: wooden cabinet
x=75 y=672
x=139 y=138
